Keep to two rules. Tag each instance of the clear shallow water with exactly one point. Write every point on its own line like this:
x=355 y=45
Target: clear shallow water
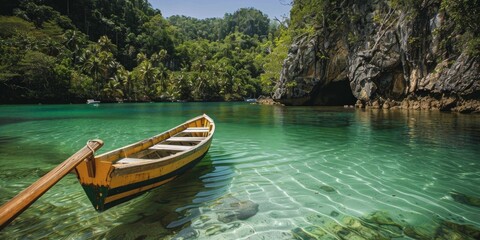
x=306 y=168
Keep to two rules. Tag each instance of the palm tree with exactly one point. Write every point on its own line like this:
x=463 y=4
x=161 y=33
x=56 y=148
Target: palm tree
x=112 y=89
x=119 y=84
x=162 y=77
x=74 y=41
x=141 y=57
x=100 y=65
x=93 y=66
x=124 y=77
x=147 y=75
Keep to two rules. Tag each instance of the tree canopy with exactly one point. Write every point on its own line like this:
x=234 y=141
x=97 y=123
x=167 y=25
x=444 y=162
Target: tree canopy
x=68 y=51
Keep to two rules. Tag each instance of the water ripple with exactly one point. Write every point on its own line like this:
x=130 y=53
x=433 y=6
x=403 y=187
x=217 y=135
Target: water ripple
x=302 y=166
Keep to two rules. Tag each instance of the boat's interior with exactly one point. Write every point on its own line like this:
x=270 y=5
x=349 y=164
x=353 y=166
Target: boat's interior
x=180 y=142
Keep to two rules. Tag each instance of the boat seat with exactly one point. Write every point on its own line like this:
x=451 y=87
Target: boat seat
x=170 y=147
x=185 y=139
x=131 y=160
x=196 y=130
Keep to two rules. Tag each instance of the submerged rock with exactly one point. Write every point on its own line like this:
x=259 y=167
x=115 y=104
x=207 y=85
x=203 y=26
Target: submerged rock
x=328 y=189
x=451 y=230
x=310 y=232
x=231 y=209
x=368 y=231
x=418 y=233
x=220 y=228
x=465 y=199
x=381 y=218
x=186 y=233
x=348 y=228
x=334 y=214
x=138 y=230
x=380 y=225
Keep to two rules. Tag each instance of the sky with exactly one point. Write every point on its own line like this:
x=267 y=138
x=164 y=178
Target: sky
x=217 y=8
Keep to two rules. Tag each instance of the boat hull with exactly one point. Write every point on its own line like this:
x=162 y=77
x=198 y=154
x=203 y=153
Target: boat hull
x=125 y=173
x=104 y=197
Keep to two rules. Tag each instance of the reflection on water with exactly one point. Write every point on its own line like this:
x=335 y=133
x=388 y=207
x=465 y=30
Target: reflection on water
x=313 y=171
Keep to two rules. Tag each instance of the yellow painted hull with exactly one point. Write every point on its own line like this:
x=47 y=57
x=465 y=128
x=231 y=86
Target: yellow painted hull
x=122 y=174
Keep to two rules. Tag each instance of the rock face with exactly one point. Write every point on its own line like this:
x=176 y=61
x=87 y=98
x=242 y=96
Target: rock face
x=309 y=78
x=383 y=57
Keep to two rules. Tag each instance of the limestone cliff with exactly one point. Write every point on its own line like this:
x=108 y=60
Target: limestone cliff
x=382 y=55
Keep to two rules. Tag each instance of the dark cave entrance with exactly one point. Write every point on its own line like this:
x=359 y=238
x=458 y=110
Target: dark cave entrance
x=336 y=93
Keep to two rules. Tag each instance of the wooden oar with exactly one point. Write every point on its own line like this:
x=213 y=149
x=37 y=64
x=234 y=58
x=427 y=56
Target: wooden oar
x=24 y=199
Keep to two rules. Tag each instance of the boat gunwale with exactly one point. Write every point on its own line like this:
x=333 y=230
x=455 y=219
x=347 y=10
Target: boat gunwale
x=125 y=168
x=116 y=154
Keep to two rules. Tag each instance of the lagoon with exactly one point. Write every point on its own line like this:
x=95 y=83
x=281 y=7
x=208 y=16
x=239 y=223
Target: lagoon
x=327 y=172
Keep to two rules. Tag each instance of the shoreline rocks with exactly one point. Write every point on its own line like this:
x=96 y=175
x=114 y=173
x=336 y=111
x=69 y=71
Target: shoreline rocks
x=267 y=101
x=445 y=104
x=424 y=104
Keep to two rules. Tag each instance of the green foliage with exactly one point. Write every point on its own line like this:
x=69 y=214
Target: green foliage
x=224 y=70
x=188 y=28
x=466 y=16
x=81 y=85
x=156 y=34
x=125 y=50
x=273 y=62
x=405 y=4
x=40 y=75
x=352 y=38
x=306 y=12
x=248 y=21
x=11 y=25
x=318 y=16
x=151 y=76
x=473 y=46
x=31 y=61
x=39 y=14
x=465 y=13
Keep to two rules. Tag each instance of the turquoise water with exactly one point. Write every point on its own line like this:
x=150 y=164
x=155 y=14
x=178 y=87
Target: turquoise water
x=327 y=172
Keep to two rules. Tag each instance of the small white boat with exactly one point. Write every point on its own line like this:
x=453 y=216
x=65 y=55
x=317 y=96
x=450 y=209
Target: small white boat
x=92 y=101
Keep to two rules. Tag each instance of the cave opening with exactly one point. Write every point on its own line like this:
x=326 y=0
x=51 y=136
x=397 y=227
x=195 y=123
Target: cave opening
x=336 y=93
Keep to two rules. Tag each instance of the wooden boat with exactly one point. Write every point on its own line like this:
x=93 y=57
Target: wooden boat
x=122 y=174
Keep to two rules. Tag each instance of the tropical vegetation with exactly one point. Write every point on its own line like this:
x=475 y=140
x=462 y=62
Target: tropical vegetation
x=124 y=50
